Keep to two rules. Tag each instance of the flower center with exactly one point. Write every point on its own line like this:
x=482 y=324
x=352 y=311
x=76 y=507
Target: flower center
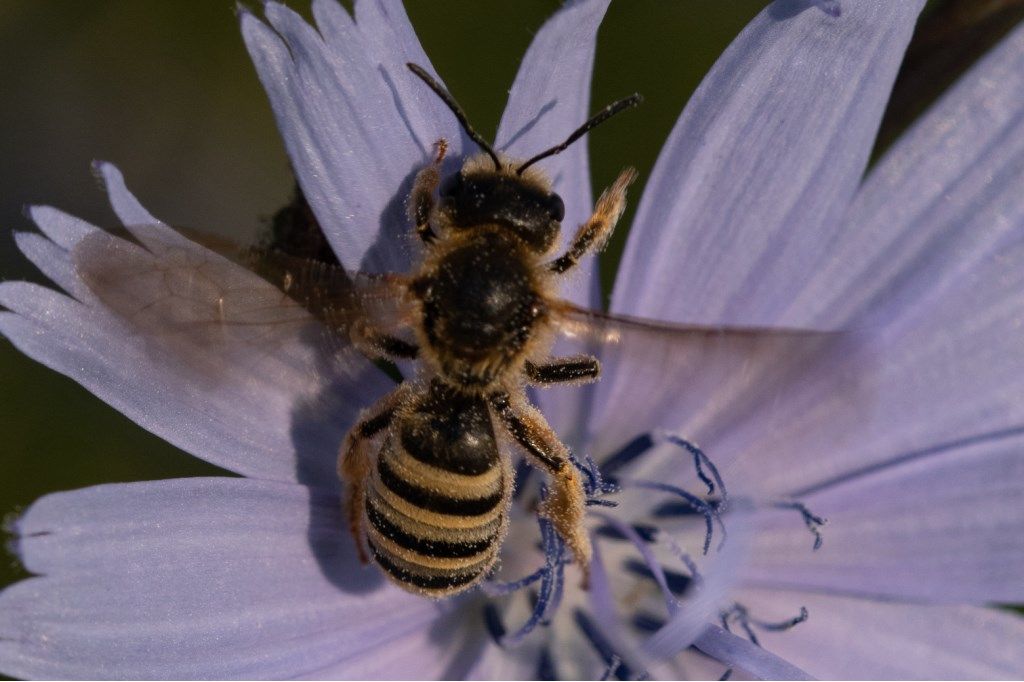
x=655 y=566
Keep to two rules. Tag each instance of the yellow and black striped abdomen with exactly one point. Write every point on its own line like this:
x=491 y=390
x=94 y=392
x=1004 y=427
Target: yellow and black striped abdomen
x=437 y=500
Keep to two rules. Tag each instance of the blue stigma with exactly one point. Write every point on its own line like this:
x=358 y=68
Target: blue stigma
x=614 y=664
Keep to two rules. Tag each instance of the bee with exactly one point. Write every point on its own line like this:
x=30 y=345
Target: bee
x=432 y=502
x=428 y=485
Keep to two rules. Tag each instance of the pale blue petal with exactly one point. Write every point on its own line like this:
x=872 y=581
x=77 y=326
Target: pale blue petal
x=191 y=578
x=945 y=196
x=347 y=126
x=392 y=42
x=52 y=261
x=859 y=639
x=279 y=416
x=748 y=191
x=951 y=372
x=733 y=650
x=124 y=203
x=944 y=369
x=944 y=527
x=688 y=618
x=549 y=99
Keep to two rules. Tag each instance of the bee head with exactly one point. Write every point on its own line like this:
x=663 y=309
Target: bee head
x=480 y=195
x=505 y=194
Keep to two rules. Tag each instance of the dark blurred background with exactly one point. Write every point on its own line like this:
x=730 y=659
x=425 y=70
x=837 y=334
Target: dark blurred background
x=166 y=91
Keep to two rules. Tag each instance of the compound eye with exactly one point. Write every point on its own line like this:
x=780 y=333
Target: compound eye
x=452 y=185
x=556 y=207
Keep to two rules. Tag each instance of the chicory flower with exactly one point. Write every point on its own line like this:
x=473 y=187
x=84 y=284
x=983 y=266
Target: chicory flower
x=757 y=213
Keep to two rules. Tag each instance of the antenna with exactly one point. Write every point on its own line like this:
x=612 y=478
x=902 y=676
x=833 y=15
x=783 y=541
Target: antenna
x=599 y=118
x=447 y=98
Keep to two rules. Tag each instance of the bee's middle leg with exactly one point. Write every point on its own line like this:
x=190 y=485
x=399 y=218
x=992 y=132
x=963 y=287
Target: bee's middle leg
x=565 y=506
x=378 y=345
x=573 y=369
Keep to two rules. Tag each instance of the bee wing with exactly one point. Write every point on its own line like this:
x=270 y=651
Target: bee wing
x=603 y=328
x=195 y=305
x=690 y=375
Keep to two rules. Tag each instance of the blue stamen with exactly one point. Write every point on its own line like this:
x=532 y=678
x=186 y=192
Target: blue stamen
x=546 y=585
x=700 y=460
x=648 y=533
x=781 y=626
x=702 y=507
x=610 y=532
x=683 y=557
x=546 y=666
x=601 y=646
x=522 y=475
x=657 y=573
x=645 y=622
x=499 y=589
x=558 y=591
x=644 y=442
x=671 y=509
x=741 y=615
x=594 y=483
x=548 y=597
x=677 y=582
x=492 y=620
x=612 y=669
x=629 y=452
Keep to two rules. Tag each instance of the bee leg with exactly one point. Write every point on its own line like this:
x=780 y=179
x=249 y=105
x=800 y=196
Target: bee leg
x=565 y=505
x=421 y=199
x=593 y=234
x=574 y=369
x=354 y=460
x=381 y=346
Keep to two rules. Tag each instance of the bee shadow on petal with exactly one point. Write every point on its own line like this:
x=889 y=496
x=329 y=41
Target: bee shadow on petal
x=318 y=426
x=531 y=124
x=393 y=248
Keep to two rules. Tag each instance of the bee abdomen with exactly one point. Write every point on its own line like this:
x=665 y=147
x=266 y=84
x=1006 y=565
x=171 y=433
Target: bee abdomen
x=425 y=544
x=431 y=582
x=433 y=531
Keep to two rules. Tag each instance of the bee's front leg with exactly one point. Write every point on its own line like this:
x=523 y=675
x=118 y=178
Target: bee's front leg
x=566 y=502
x=421 y=199
x=594 y=234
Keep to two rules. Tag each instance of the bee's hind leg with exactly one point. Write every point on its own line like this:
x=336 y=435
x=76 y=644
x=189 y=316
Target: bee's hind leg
x=593 y=234
x=355 y=460
x=421 y=199
x=565 y=505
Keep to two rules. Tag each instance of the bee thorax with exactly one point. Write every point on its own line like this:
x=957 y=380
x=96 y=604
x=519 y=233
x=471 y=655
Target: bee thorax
x=480 y=307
